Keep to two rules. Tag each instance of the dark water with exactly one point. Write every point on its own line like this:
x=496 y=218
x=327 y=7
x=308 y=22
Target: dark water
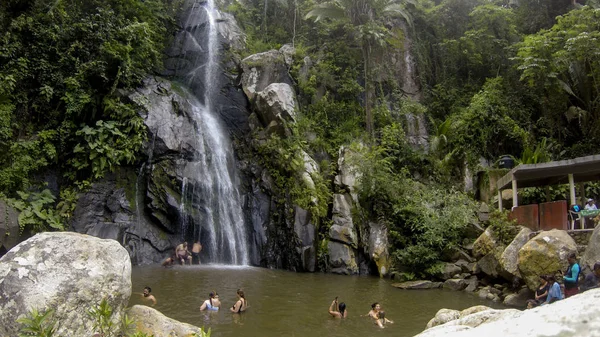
x=282 y=303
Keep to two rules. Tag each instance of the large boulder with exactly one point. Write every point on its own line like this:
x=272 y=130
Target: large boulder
x=276 y=106
x=151 y=322
x=519 y=299
x=592 y=252
x=489 y=264
x=545 y=254
x=342 y=258
x=443 y=316
x=448 y=271
x=578 y=315
x=509 y=261
x=67 y=272
x=486 y=243
x=261 y=70
x=455 y=284
x=9 y=227
x=417 y=285
x=378 y=248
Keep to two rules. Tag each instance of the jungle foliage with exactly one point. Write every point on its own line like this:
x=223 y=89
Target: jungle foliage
x=64 y=66
x=497 y=78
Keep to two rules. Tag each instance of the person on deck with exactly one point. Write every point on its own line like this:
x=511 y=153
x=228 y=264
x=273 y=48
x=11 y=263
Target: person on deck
x=593 y=279
x=338 y=310
x=590 y=206
x=571 y=278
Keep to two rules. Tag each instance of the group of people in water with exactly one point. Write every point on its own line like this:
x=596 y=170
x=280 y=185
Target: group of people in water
x=211 y=304
x=339 y=310
x=182 y=255
x=550 y=290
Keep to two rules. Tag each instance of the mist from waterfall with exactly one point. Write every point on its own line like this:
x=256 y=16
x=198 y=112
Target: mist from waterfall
x=211 y=201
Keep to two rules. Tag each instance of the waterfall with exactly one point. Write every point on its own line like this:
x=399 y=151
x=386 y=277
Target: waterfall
x=215 y=200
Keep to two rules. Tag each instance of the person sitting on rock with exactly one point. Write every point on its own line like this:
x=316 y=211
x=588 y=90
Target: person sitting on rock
x=147 y=296
x=554 y=293
x=381 y=320
x=183 y=254
x=571 y=278
x=169 y=261
x=540 y=293
x=338 y=310
x=592 y=280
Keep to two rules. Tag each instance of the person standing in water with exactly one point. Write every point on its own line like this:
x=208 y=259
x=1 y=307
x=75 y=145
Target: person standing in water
x=183 y=254
x=147 y=296
x=212 y=303
x=338 y=310
x=241 y=305
x=196 y=248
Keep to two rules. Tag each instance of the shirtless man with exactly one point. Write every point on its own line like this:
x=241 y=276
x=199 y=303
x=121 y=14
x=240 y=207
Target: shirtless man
x=196 y=248
x=146 y=296
x=183 y=254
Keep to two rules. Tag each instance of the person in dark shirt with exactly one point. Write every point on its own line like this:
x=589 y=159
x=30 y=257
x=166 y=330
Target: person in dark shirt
x=593 y=279
x=540 y=293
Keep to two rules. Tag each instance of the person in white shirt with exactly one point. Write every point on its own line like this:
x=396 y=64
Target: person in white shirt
x=590 y=206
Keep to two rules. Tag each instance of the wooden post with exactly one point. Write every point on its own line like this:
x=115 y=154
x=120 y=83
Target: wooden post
x=500 y=200
x=572 y=190
x=514 y=192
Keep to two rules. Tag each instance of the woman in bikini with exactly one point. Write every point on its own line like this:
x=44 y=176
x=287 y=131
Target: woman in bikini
x=338 y=310
x=212 y=303
x=241 y=304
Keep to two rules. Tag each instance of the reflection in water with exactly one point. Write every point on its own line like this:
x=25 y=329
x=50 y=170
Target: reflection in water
x=282 y=303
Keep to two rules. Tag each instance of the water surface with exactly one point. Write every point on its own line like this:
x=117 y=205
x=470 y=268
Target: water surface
x=282 y=303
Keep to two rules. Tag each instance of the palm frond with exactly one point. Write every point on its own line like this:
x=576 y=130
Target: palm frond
x=328 y=10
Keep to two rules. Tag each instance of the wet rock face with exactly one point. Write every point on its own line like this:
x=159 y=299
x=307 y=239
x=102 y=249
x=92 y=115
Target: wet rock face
x=342 y=258
x=263 y=69
x=9 y=227
x=191 y=45
x=67 y=272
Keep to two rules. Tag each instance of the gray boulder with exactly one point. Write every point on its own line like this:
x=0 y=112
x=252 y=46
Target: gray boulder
x=519 y=299
x=546 y=253
x=342 y=258
x=443 y=316
x=486 y=243
x=261 y=70
x=417 y=285
x=509 y=261
x=592 y=252
x=9 y=227
x=151 y=322
x=448 y=271
x=276 y=104
x=67 y=272
x=574 y=316
x=455 y=284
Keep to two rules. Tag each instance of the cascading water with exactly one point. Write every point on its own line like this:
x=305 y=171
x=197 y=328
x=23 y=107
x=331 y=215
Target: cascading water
x=210 y=185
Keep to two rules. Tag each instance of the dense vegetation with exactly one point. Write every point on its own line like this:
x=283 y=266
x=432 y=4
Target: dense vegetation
x=497 y=78
x=519 y=78
x=64 y=66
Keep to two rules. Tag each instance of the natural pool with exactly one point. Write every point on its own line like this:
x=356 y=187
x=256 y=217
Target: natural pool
x=283 y=303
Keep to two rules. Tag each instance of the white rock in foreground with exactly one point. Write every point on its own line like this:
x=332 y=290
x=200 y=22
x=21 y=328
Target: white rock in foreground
x=151 y=321
x=68 y=272
x=576 y=316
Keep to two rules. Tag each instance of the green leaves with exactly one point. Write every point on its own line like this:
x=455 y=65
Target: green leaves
x=37 y=324
x=37 y=211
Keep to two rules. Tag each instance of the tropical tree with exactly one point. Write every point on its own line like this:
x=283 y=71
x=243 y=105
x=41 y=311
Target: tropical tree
x=367 y=17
